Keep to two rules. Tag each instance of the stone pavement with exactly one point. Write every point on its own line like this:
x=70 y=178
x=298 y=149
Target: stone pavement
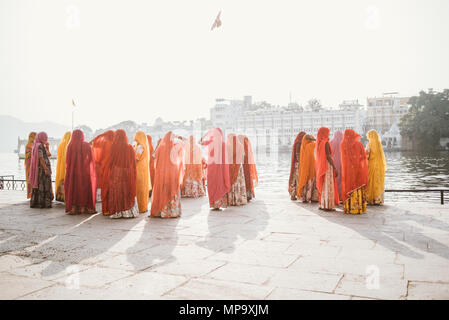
x=272 y=248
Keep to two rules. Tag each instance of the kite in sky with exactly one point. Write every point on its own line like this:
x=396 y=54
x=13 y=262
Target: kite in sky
x=217 y=22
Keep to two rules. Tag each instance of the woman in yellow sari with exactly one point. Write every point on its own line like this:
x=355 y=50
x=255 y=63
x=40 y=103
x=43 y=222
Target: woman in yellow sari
x=376 y=169
x=28 y=149
x=307 y=190
x=60 y=166
x=143 y=182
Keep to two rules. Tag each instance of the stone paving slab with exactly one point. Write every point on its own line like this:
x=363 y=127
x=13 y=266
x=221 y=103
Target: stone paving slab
x=272 y=248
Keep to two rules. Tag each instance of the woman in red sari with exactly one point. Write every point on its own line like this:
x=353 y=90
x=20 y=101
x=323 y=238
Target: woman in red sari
x=80 y=179
x=119 y=180
x=237 y=193
x=101 y=147
x=354 y=167
x=249 y=168
x=294 y=166
x=169 y=161
x=218 y=183
x=325 y=172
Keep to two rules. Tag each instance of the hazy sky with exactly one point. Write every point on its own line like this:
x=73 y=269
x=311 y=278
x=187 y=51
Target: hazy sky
x=139 y=59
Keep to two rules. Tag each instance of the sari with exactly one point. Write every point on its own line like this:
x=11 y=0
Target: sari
x=249 y=168
x=294 y=166
x=354 y=171
x=235 y=157
x=101 y=148
x=307 y=191
x=336 y=156
x=151 y=163
x=218 y=183
x=40 y=173
x=61 y=166
x=143 y=182
x=192 y=186
x=27 y=162
x=80 y=178
x=119 y=181
x=326 y=183
x=166 y=195
x=377 y=166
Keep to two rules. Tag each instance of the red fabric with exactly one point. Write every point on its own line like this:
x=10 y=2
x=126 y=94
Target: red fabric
x=80 y=179
x=120 y=175
x=151 y=151
x=101 y=147
x=218 y=183
x=295 y=155
x=234 y=150
x=354 y=165
x=249 y=165
x=169 y=172
x=321 y=162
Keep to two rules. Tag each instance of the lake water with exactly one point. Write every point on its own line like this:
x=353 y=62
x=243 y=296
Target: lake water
x=406 y=170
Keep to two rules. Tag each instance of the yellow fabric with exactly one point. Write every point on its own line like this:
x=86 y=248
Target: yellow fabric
x=356 y=203
x=376 y=168
x=143 y=182
x=60 y=166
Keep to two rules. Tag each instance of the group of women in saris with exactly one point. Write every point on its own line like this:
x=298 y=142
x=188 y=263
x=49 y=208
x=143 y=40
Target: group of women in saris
x=126 y=178
x=340 y=170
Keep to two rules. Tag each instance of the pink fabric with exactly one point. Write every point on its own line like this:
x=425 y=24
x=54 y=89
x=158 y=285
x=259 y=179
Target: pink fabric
x=80 y=179
x=336 y=156
x=218 y=182
x=41 y=138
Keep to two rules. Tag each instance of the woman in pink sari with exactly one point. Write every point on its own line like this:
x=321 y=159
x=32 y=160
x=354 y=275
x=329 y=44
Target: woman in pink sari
x=40 y=173
x=218 y=183
x=336 y=156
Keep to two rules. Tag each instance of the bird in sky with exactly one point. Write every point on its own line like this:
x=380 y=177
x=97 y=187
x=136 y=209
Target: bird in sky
x=217 y=22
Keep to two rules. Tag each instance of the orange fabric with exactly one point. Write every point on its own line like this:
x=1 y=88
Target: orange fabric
x=307 y=163
x=234 y=150
x=101 y=146
x=151 y=151
x=193 y=160
x=119 y=180
x=354 y=165
x=249 y=165
x=321 y=162
x=169 y=172
x=296 y=149
x=143 y=183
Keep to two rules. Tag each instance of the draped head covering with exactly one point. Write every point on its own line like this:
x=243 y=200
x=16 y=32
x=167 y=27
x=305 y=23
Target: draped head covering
x=307 y=162
x=354 y=166
x=28 y=149
x=101 y=147
x=218 y=183
x=234 y=152
x=41 y=139
x=121 y=175
x=80 y=179
x=169 y=172
x=151 y=151
x=295 y=155
x=193 y=160
x=336 y=156
x=377 y=166
x=61 y=163
x=321 y=162
x=249 y=165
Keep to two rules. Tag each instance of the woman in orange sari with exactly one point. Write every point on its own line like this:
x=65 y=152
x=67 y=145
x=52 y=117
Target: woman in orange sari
x=294 y=166
x=235 y=156
x=151 y=153
x=192 y=186
x=61 y=166
x=354 y=167
x=119 y=179
x=307 y=191
x=101 y=147
x=326 y=172
x=249 y=167
x=28 y=149
x=143 y=182
x=166 y=196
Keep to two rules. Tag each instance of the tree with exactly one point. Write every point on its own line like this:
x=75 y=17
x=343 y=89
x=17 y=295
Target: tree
x=427 y=120
x=314 y=105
